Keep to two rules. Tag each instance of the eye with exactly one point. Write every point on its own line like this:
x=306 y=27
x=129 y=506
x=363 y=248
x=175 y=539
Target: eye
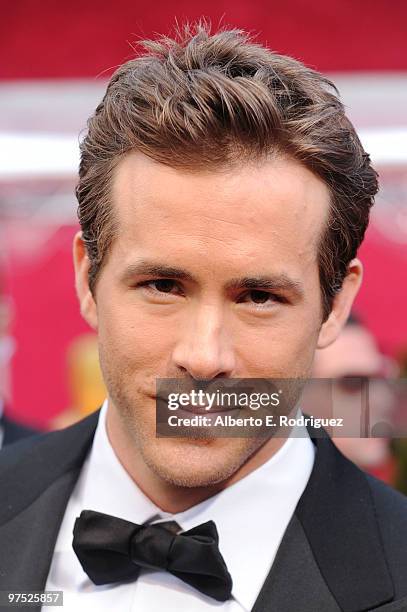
x=260 y=298
x=161 y=285
x=164 y=285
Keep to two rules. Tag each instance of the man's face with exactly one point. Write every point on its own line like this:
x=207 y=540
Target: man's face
x=210 y=275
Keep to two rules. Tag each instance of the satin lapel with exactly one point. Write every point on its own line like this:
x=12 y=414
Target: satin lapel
x=337 y=514
x=38 y=476
x=331 y=557
x=295 y=582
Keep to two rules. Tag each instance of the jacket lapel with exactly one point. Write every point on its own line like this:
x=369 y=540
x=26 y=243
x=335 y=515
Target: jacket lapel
x=295 y=581
x=331 y=557
x=38 y=475
x=27 y=541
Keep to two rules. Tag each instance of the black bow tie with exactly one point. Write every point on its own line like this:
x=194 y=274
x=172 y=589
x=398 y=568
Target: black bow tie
x=111 y=549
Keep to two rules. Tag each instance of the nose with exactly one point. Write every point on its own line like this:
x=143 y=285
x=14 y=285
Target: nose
x=204 y=349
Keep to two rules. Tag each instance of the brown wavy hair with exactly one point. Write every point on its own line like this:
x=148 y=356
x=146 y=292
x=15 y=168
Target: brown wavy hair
x=205 y=100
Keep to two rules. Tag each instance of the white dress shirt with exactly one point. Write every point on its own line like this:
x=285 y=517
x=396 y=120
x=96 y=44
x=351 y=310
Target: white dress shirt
x=251 y=517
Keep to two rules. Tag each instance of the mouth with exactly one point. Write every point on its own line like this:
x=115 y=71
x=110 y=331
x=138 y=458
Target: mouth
x=213 y=410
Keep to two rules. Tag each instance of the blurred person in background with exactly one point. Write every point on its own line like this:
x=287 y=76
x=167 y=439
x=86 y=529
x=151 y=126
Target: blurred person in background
x=10 y=430
x=399 y=445
x=355 y=356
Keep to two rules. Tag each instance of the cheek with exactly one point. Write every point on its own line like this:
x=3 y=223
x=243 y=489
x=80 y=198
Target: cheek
x=284 y=350
x=132 y=338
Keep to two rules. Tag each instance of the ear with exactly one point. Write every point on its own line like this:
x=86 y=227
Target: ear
x=342 y=305
x=86 y=299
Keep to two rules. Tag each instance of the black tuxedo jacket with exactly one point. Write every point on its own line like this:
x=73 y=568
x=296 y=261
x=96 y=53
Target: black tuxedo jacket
x=13 y=431
x=345 y=548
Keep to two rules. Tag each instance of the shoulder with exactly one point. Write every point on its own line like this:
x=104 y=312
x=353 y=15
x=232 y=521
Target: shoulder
x=30 y=466
x=63 y=442
x=356 y=526
x=391 y=514
x=388 y=501
x=14 y=431
x=12 y=454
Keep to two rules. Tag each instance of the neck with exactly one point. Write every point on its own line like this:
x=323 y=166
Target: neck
x=168 y=496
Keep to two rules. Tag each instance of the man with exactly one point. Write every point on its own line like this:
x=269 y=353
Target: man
x=10 y=430
x=356 y=354
x=222 y=196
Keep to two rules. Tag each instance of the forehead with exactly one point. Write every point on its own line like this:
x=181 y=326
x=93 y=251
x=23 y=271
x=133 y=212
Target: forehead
x=276 y=207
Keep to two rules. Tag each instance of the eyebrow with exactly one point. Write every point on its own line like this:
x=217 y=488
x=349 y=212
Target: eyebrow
x=273 y=282
x=147 y=268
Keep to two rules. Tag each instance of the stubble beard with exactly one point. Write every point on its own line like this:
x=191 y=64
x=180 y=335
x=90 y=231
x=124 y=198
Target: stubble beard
x=179 y=462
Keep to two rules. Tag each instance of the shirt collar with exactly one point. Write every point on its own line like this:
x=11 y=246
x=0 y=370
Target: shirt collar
x=251 y=515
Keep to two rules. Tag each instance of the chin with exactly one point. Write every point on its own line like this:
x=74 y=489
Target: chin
x=193 y=463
